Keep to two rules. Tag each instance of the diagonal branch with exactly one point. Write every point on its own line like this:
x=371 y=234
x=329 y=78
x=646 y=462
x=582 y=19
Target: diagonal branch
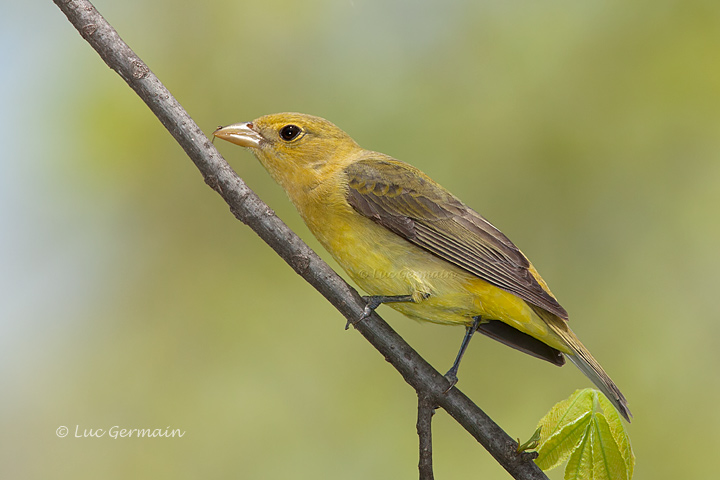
x=248 y=208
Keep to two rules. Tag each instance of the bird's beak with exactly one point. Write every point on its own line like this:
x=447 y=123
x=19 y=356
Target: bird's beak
x=242 y=134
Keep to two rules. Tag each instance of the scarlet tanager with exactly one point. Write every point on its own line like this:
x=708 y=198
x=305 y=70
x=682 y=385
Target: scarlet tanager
x=410 y=243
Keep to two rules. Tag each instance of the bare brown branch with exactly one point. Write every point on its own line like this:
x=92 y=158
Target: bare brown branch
x=426 y=410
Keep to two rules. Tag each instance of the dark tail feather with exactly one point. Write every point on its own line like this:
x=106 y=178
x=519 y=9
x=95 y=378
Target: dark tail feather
x=504 y=333
x=587 y=364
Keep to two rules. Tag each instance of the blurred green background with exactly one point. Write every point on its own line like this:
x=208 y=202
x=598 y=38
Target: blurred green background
x=589 y=132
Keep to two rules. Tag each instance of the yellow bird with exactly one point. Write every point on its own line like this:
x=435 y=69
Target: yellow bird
x=408 y=242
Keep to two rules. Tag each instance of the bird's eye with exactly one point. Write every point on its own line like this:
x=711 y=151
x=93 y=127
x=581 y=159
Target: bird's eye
x=289 y=132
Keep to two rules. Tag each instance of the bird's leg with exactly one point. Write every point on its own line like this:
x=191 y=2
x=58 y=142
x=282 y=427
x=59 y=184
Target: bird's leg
x=374 y=301
x=451 y=375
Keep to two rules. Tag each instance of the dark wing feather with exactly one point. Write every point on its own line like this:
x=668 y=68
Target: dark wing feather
x=408 y=203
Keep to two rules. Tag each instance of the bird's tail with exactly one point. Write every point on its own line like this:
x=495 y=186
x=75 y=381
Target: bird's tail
x=587 y=364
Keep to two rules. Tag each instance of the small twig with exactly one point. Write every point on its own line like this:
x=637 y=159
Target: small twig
x=248 y=208
x=426 y=410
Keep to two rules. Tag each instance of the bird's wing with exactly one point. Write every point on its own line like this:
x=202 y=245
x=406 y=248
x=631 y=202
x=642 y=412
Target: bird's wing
x=407 y=202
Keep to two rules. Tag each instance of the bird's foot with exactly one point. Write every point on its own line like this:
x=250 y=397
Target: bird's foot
x=374 y=301
x=451 y=376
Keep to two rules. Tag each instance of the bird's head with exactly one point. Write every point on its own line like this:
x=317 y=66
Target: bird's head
x=298 y=150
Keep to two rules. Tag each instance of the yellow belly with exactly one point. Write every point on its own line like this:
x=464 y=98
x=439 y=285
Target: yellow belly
x=382 y=263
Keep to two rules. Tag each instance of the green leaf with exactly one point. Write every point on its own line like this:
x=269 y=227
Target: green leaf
x=617 y=428
x=580 y=460
x=587 y=430
x=532 y=443
x=558 y=447
x=562 y=428
x=607 y=460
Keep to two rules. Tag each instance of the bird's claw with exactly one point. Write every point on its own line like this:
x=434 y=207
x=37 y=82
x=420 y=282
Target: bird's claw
x=354 y=322
x=452 y=378
x=367 y=311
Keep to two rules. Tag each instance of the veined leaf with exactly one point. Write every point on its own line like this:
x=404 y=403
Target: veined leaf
x=562 y=428
x=567 y=411
x=617 y=428
x=581 y=459
x=587 y=429
x=559 y=446
x=607 y=460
